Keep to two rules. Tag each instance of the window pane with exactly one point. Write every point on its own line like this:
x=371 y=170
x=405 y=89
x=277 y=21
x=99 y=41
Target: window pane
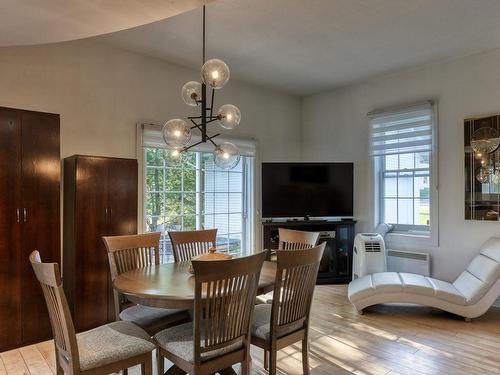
x=235 y=223
x=234 y=243
x=189 y=204
x=172 y=161
x=222 y=224
x=405 y=184
x=190 y=179
x=422 y=211
x=154 y=179
x=235 y=202
x=173 y=223
x=390 y=211
x=155 y=156
x=421 y=187
x=422 y=160
x=407 y=161
x=208 y=203
x=173 y=179
x=189 y=160
x=154 y=204
x=189 y=222
x=221 y=181
x=209 y=221
x=235 y=182
x=221 y=203
x=173 y=204
x=209 y=181
x=391 y=162
x=155 y=224
x=390 y=184
x=405 y=211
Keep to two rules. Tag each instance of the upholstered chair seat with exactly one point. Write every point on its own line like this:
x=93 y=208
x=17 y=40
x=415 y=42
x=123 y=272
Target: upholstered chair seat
x=261 y=325
x=145 y=316
x=179 y=340
x=111 y=343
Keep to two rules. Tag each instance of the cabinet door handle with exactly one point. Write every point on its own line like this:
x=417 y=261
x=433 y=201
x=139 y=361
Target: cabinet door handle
x=18 y=215
x=25 y=212
x=106 y=211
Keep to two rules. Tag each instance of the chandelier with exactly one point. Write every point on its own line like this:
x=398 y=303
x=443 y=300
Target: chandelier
x=177 y=132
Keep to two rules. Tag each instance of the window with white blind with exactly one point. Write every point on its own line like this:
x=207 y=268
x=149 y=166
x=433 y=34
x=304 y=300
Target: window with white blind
x=191 y=192
x=403 y=145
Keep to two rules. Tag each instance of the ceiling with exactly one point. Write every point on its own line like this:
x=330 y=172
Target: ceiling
x=308 y=46
x=45 y=21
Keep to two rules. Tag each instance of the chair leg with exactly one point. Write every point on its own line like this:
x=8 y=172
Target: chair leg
x=272 y=361
x=59 y=370
x=266 y=359
x=125 y=371
x=245 y=367
x=305 y=356
x=147 y=367
x=160 y=362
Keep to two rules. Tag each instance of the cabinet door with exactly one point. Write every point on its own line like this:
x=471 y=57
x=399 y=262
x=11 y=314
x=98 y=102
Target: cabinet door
x=10 y=281
x=41 y=197
x=122 y=196
x=122 y=202
x=91 y=263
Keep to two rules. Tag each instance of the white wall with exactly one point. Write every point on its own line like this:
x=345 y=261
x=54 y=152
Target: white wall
x=101 y=93
x=335 y=128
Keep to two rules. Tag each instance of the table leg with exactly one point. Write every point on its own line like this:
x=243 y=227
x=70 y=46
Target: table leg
x=174 y=370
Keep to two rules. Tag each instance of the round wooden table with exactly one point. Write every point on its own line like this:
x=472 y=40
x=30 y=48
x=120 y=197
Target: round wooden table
x=171 y=285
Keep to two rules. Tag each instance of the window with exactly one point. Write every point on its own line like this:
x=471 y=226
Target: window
x=404 y=152
x=190 y=192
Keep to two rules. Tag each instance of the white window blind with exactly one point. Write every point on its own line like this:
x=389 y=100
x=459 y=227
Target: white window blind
x=405 y=130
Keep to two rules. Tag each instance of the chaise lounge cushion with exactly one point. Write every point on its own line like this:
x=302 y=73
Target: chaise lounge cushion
x=417 y=284
x=447 y=291
x=387 y=282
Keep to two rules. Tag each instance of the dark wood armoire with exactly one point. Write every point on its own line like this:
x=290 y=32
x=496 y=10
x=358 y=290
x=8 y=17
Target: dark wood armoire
x=100 y=199
x=29 y=220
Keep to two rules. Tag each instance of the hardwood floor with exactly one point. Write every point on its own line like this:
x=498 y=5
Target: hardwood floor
x=386 y=340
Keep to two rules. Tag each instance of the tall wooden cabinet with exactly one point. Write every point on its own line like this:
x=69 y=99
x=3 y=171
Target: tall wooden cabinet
x=29 y=220
x=100 y=199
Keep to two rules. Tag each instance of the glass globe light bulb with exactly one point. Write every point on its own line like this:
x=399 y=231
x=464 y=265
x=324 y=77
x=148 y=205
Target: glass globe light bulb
x=229 y=116
x=175 y=153
x=215 y=73
x=191 y=92
x=226 y=156
x=176 y=133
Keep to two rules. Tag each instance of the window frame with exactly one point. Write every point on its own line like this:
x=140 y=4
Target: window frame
x=405 y=235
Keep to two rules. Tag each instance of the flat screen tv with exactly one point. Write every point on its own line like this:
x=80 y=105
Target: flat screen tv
x=307 y=189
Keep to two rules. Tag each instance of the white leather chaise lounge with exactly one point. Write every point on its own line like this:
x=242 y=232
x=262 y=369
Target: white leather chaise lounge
x=470 y=296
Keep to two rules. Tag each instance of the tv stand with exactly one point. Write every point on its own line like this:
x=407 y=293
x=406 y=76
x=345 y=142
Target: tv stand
x=336 y=264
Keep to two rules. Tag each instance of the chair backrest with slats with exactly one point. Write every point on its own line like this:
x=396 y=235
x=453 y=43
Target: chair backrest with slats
x=60 y=318
x=188 y=244
x=296 y=240
x=130 y=252
x=294 y=287
x=225 y=291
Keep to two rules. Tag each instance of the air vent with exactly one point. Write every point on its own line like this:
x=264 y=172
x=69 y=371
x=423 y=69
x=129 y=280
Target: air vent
x=372 y=247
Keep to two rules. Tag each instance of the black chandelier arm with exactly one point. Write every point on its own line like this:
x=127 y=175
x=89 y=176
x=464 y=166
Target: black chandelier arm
x=212 y=102
x=200 y=142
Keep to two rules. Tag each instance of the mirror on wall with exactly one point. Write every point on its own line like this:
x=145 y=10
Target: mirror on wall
x=482 y=168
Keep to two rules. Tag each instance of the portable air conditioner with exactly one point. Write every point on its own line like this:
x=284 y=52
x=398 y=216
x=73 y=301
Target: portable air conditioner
x=369 y=255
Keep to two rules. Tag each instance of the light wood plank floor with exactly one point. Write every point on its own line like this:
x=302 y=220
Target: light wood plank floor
x=388 y=339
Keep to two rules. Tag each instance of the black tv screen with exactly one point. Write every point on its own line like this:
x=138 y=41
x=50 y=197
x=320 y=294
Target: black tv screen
x=307 y=189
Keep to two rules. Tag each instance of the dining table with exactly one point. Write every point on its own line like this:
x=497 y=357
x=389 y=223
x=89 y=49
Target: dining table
x=171 y=286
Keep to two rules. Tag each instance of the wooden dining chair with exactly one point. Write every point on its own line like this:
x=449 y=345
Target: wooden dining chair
x=286 y=321
x=130 y=252
x=219 y=335
x=289 y=240
x=296 y=239
x=102 y=350
x=188 y=244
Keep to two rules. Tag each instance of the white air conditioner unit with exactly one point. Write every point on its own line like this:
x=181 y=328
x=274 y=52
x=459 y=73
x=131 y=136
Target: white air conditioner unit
x=369 y=255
